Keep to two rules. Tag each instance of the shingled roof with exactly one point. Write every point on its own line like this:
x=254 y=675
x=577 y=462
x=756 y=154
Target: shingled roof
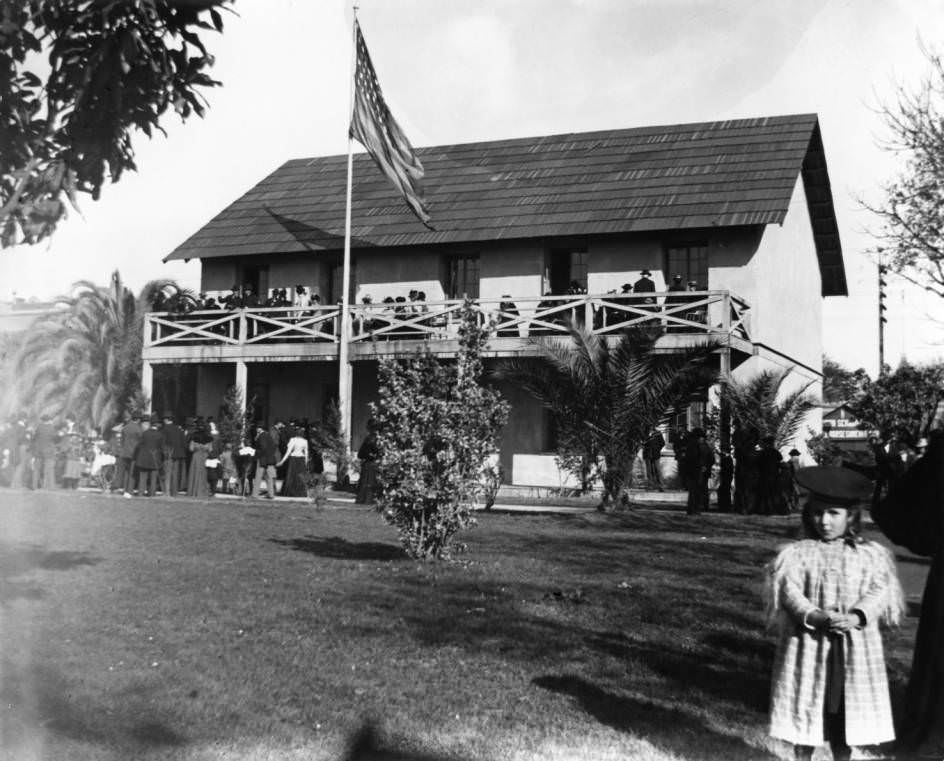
x=739 y=172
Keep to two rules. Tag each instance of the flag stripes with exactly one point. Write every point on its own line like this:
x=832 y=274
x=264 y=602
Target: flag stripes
x=374 y=127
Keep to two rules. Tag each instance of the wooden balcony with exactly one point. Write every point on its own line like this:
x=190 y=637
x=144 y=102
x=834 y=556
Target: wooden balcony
x=285 y=334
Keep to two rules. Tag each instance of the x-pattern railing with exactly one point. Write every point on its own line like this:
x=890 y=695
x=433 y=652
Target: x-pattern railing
x=717 y=313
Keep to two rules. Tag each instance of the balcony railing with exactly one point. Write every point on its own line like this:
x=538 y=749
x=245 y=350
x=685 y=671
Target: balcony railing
x=715 y=313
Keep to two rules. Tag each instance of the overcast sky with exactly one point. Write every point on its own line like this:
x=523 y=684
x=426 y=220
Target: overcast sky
x=467 y=70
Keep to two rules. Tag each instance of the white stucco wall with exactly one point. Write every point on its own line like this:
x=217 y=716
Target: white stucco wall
x=777 y=272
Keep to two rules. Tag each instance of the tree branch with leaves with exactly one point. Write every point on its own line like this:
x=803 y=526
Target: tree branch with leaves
x=111 y=68
x=911 y=236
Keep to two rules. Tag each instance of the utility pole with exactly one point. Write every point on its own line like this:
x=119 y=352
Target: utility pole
x=882 y=284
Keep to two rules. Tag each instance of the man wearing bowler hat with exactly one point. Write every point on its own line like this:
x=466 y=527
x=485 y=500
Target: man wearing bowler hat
x=149 y=456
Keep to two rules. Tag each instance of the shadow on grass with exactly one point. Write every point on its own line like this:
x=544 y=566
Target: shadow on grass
x=737 y=670
x=669 y=728
x=369 y=744
x=38 y=697
x=341 y=549
x=17 y=560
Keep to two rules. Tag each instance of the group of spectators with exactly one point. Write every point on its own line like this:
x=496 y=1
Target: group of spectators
x=44 y=454
x=149 y=455
x=240 y=296
x=764 y=481
x=368 y=316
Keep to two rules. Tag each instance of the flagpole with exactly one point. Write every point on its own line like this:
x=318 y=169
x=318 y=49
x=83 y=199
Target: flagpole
x=345 y=390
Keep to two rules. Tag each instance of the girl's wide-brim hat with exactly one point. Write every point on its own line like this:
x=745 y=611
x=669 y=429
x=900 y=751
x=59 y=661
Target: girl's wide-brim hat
x=837 y=486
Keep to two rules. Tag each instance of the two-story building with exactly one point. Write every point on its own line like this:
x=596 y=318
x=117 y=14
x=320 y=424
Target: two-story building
x=741 y=208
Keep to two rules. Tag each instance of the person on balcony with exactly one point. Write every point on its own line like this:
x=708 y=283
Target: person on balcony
x=557 y=318
x=507 y=311
x=699 y=313
x=676 y=297
x=644 y=290
x=234 y=299
x=364 y=321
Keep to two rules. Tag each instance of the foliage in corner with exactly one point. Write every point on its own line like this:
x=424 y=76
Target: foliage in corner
x=841 y=384
x=758 y=407
x=437 y=426
x=904 y=402
x=114 y=68
x=824 y=450
x=84 y=358
x=912 y=210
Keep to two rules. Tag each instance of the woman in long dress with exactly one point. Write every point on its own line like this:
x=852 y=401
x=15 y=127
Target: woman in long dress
x=296 y=454
x=200 y=445
x=368 y=454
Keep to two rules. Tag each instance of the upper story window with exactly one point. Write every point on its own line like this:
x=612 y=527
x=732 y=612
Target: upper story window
x=690 y=260
x=566 y=269
x=462 y=276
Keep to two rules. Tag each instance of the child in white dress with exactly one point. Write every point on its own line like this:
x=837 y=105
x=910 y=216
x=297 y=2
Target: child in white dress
x=827 y=595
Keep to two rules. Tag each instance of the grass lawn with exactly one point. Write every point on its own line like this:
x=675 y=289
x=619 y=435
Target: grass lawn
x=161 y=629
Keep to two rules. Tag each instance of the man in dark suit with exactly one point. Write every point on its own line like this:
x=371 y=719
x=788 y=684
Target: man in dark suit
x=267 y=455
x=652 y=455
x=149 y=456
x=643 y=290
x=645 y=285
x=130 y=438
x=175 y=454
x=44 y=453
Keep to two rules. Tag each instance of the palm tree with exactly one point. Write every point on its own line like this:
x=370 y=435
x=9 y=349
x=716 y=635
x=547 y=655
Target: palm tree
x=605 y=398
x=85 y=359
x=755 y=407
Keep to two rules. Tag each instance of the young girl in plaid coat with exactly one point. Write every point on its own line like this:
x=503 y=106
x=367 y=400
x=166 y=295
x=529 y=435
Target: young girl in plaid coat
x=827 y=595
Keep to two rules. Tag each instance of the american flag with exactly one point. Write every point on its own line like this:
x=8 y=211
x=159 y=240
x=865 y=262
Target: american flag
x=374 y=127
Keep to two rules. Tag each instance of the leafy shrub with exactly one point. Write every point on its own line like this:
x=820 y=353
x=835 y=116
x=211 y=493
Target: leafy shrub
x=436 y=426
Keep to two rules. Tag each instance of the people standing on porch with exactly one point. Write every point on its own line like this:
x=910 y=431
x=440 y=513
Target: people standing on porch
x=130 y=438
x=148 y=457
x=652 y=455
x=175 y=454
x=266 y=458
x=296 y=457
x=643 y=290
x=699 y=459
x=44 y=453
x=301 y=301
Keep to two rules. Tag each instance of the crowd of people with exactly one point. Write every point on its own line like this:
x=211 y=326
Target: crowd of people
x=149 y=455
x=390 y=314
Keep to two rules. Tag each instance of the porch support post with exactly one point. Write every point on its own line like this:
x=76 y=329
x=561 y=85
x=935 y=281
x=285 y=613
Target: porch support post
x=242 y=375
x=147 y=384
x=726 y=466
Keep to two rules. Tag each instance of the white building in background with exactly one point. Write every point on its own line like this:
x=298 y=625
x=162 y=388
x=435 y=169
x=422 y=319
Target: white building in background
x=742 y=208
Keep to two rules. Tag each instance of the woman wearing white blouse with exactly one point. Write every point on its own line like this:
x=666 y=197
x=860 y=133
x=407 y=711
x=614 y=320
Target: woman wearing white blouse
x=296 y=453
